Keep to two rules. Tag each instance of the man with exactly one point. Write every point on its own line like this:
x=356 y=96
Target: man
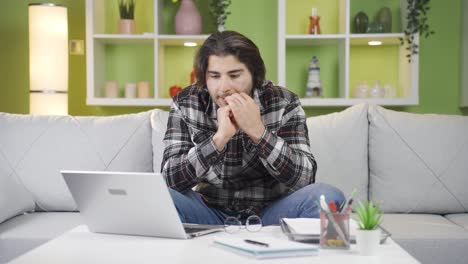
x=240 y=141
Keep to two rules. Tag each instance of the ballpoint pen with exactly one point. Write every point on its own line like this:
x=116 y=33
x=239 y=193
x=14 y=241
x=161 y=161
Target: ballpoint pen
x=346 y=202
x=256 y=243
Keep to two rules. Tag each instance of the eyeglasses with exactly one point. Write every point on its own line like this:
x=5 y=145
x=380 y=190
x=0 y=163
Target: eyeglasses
x=233 y=225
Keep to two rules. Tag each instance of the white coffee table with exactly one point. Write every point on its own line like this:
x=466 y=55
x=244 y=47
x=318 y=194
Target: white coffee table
x=81 y=246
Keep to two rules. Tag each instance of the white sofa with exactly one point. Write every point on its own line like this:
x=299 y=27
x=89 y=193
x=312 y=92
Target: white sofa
x=416 y=165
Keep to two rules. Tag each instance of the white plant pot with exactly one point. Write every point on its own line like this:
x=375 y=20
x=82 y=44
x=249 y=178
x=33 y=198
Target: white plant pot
x=368 y=241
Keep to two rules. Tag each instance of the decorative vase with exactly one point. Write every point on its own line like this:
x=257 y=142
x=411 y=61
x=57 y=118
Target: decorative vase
x=390 y=92
x=111 y=89
x=188 y=19
x=362 y=90
x=143 y=89
x=126 y=26
x=368 y=241
x=361 y=21
x=384 y=17
x=377 y=91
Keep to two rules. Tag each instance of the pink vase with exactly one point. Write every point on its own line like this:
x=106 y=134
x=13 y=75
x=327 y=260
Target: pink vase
x=188 y=19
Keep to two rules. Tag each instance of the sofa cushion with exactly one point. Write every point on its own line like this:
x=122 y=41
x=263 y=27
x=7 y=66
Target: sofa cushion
x=14 y=198
x=25 y=232
x=36 y=148
x=418 y=162
x=159 y=126
x=339 y=144
x=429 y=238
x=459 y=219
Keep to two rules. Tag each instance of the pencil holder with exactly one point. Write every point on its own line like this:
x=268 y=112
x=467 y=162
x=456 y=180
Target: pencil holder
x=334 y=230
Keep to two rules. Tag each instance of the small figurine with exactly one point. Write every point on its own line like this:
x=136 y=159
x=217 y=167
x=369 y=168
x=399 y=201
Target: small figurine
x=314 y=26
x=314 y=87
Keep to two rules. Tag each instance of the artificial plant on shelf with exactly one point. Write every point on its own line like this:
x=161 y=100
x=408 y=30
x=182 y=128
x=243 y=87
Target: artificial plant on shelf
x=218 y=9
x=416 y=23
x=127 y=9
x=127 y=14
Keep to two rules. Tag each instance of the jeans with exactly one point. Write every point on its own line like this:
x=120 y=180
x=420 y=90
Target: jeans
x=302 y=203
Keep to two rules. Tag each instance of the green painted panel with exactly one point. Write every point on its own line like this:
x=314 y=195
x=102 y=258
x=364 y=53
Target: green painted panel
x=297 y=68
x=298 y=12
x=372 y=7
x=374 y=63
x=257 y=20
x=129 y=63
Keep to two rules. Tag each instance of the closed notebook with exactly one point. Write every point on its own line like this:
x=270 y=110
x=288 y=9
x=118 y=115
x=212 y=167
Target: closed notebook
x=267 y=247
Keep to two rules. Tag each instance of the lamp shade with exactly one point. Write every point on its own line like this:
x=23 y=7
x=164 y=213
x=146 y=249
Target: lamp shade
x=48 y=59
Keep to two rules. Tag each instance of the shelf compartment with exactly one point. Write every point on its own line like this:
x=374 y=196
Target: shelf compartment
x=371 y=8
x=386 y=64
x=332 y=16
x=331 y=61
x=175 y=66
x=124 y=63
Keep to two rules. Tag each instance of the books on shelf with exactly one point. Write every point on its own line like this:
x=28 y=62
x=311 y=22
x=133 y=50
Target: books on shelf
x=265 y=247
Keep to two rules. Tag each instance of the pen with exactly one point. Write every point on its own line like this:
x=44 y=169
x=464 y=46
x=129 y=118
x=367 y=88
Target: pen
x=256 y=243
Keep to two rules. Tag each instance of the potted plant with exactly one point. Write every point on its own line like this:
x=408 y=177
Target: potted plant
x=218 y=9
x=127 y=14
x=415 y=22
x=368 y=233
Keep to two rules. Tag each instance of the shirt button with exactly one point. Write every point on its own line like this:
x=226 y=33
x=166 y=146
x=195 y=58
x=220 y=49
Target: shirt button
x=213 y=159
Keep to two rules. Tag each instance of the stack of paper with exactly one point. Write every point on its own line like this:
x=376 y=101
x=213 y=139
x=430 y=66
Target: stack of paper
x=266 y=247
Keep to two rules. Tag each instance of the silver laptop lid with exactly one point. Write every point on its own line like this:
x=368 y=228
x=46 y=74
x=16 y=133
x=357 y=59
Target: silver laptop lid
x=125 y=203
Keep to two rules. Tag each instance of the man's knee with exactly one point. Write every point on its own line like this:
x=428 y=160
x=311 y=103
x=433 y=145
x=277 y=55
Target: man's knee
x=315 y=190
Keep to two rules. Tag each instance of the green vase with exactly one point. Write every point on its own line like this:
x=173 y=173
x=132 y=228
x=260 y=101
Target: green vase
x=361 y=21
x=384 y=17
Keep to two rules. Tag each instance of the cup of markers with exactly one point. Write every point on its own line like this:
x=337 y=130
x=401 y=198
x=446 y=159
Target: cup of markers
x=334 y=223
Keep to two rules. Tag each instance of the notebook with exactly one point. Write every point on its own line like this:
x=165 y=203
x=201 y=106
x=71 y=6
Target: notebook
x=265 y=247
x=129 y=203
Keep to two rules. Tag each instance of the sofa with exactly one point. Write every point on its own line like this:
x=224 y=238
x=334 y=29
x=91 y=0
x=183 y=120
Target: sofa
x=415 y=165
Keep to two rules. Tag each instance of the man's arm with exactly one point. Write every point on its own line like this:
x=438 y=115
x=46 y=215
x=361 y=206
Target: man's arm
x=286 y=153
x=184 y=163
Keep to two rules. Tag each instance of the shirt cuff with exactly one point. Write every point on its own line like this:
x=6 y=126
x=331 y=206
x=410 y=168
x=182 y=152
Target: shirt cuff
x=267 y=143
x=208 y=154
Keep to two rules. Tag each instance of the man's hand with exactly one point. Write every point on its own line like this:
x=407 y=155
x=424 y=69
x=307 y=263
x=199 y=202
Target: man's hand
x=227 y=127
x=247 y=115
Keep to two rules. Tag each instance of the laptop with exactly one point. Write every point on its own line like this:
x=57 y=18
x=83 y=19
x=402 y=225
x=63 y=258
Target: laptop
x=129 y=203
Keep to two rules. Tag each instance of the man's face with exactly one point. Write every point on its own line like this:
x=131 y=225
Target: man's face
x=226 y=75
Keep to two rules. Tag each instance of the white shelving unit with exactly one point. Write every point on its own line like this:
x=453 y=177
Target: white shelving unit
x=345 y=41
x=98 y=41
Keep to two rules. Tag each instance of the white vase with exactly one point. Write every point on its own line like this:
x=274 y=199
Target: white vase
x=377 y=91
x=361 y=91
x=368 y=241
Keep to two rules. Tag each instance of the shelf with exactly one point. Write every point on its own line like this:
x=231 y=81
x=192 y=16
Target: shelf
x=301 y=40
x=123 y=39
x=128 y=101
x=352 y=101
x=385 y=38
x=179 y=40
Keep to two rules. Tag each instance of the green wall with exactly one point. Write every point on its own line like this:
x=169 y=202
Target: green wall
x=439 y=76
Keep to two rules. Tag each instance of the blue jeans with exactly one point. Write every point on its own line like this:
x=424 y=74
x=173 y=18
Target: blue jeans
x=302 y=203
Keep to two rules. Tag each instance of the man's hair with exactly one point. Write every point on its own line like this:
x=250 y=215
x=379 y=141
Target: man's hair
x=230 y=43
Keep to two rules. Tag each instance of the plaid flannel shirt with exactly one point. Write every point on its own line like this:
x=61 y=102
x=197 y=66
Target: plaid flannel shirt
x=244 y=177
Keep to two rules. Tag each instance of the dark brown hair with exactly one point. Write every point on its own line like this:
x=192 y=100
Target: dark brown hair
x=230 y=43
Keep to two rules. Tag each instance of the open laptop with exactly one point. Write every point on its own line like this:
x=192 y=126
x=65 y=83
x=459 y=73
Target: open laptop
x=129 y=203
